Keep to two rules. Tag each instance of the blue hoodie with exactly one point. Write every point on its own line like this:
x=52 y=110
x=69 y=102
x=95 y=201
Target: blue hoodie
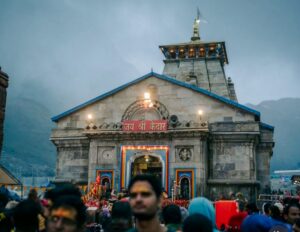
x=203 y=206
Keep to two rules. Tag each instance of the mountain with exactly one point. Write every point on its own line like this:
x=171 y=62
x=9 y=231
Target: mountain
x=26 y=146
x=284 y=114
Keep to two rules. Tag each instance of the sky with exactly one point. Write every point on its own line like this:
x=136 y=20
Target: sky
x=62 y=53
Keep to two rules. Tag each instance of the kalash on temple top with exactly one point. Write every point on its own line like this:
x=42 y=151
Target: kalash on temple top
x=184 y=126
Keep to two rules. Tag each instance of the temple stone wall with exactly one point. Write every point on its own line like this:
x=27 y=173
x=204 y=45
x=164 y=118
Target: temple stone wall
x=209 y=74
x=104 y=155
x=264 y=152
x=197 y=160
x=232 y=160
x=180 y=101
x=216 y=75
x=232 y=154
x=72 y=160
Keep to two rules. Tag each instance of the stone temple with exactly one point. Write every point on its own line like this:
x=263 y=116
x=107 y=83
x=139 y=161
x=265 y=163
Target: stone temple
x=185 y=126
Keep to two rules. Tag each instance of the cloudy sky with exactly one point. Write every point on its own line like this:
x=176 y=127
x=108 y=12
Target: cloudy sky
x=64 y=52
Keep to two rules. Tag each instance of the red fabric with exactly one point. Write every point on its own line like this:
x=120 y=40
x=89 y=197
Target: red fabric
x=224 y=211
x=235 y=222
x=98 y=180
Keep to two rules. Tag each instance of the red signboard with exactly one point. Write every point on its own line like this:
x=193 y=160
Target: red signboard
x=146 y=125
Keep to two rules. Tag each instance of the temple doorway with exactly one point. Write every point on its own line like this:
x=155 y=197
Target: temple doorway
x=185 y=188
x=106 y=182
x=147 y=164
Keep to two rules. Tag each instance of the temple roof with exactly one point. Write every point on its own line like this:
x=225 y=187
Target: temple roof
x=267 y=126
x=7 y=178
x=162 y=77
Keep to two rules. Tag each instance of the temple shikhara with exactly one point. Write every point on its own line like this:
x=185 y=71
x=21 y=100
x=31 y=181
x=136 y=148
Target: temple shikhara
x=185 y=126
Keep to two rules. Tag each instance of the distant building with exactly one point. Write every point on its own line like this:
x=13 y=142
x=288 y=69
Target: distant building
x=283 y=181
x=3 y=87
x=185 y=126
x=6 y=177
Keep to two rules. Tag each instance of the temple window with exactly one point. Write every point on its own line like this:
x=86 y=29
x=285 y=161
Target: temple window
x=202 y=52
x=172 y=53
x=192 y=53
x=181 y=53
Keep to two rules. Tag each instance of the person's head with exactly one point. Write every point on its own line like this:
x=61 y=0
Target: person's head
x=266 y=209
x=197 y=223
x=145 y=193
x=257 y=223
x=121 y=217
x=3 y=200
x=251 y=208
x=275 y=212
x=25 y=216
x=121 y=210
x=296 y=226
x=68 y=214
x=65 y=189
x=171 y=214
x=33 y=195
x=204 y=207
x=279 y=206
x=291 y=212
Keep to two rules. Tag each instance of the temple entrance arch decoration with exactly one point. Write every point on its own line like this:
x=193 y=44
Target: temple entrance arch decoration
x=106 y=178
x=133 y=156
x=185 y=180
x=146 y=110
x=106 y=182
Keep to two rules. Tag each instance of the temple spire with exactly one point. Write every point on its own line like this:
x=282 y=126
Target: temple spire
x=196 y=34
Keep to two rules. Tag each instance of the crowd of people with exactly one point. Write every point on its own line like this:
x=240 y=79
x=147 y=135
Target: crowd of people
x=62 y=209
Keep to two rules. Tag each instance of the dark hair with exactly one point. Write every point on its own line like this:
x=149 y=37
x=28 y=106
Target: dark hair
x=121 y=210
x=197 y=223
x=33 y=195
x=121 y=217
x=65 y=189
x=3 y=200
x=297 y=222
x=251 y=208
x=71 y=201
x=25 y=216
x=275 y=213
x=267 y=208
x=171 y=214
x=287 y=208
x=152 y=180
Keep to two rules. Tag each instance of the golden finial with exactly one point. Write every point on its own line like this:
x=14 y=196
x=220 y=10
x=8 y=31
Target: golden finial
x=196 y=35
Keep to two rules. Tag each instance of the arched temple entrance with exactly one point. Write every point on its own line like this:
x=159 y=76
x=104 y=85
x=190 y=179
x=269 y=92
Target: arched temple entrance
x=152 y=159
x=185 y=188
x=147 y=164
x=106 y=182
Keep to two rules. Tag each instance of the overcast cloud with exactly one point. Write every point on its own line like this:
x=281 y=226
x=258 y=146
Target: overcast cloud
x=64 y=52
